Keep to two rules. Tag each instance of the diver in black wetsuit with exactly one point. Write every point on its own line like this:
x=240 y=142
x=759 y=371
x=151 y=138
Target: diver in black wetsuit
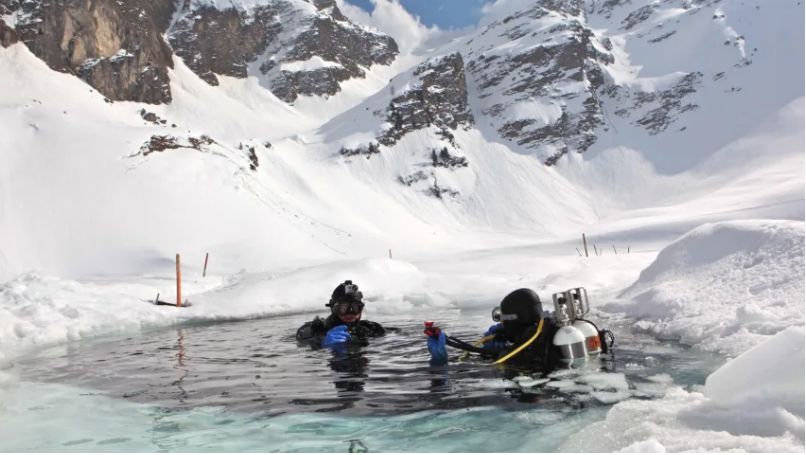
x=344 y=325
x=524 y=335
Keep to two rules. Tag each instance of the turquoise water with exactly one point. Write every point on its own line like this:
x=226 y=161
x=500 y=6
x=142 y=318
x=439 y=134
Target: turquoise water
x=248 y=386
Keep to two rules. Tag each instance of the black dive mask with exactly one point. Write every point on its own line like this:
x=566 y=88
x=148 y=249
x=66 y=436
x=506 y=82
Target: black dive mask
x=348 y=307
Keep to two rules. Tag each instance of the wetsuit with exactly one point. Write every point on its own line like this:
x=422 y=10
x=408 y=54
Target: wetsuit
x=539 y=354
x=313 y=332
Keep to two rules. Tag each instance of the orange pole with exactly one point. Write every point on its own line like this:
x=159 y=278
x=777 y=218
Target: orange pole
x=206 y=256
x=178 y=282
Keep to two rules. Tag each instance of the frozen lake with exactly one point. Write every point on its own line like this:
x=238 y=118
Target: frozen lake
x=248 y=386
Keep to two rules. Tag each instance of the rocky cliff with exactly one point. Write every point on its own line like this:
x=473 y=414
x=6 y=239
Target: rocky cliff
x=546 y=78
x=296 y=47
x=437 y=97
x=551 y=59
x=117 y=47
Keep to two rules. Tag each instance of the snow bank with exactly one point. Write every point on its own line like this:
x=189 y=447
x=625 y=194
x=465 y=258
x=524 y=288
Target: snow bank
x=735 y=287
x=722 y=287
x=388 y=286
x=37 y=310
x=753 y=403
x=767 y=376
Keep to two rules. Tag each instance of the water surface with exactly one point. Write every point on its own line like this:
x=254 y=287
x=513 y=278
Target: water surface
x=248 y=386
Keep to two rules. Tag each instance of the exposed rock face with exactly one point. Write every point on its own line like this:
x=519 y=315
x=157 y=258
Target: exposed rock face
x=563 y=73
x=7 y=35
x=438 y=98
x=296 y=51
x=367 y=150
x=116 y=46
x=223 y=42
x=443 y=158
x=159 y=143
x=656 y=111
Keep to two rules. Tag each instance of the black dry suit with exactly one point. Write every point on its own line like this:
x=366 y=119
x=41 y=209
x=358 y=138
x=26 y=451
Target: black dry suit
x=314 y=331
x=346 y=293
x=521 y=313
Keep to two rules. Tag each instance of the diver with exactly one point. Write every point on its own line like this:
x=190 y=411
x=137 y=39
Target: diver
x=344 y=325
x=527 y=336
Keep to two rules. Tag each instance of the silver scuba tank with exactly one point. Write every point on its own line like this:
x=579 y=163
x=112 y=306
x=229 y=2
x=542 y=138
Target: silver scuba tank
x=580 y=307
x=568 y=341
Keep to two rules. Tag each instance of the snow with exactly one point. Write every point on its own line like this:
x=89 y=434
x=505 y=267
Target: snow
x=547 y=113
x=713 y=217
x=723 y=286
x=312 y=64
x=768 y=375
x=247 y=5
x=752 y=403
x=11 y=19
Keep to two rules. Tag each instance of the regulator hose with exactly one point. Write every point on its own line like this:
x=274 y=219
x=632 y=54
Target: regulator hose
x=523 y=346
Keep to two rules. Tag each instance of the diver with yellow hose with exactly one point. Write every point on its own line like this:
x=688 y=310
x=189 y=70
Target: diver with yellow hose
x=523 y=335
x=528 y=336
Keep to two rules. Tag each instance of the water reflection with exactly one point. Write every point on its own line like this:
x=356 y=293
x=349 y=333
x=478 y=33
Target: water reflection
x=350 y=368
x=180 y=365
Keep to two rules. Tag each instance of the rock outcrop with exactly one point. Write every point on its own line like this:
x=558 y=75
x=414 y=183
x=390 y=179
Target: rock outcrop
x=117 y=47
x=213 y=42
x=7 y=34
x=552 y=58
x=438 y=97
x=295 y=50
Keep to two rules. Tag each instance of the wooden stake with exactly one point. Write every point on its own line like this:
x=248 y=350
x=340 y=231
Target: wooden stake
x=595 y=251
x=585 y=244
x=628 y=250
x=206 y=256
x=578 y=251
x=178 y=282
x=614 y=249
x=390 y=253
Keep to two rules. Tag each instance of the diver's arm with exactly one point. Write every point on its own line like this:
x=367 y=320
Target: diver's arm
x=312 y=332
x=436 y=346
x=372 y=329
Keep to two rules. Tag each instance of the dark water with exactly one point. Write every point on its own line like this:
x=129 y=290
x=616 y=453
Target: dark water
x=257 y=367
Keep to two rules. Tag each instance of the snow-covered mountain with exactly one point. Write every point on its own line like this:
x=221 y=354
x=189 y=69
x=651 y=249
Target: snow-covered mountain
x=293 y=99
x=554 y=77
x=124 y=49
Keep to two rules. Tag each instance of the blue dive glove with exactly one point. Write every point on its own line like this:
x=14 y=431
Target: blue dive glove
x=493 y=329
x=436 y=346
x=496 y=345
x=335 y=336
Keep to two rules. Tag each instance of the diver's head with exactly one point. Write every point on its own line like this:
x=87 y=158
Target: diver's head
x=346 y=302
x=520 y=309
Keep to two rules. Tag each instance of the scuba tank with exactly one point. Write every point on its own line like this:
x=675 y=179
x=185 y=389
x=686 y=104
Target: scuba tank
x=580 y=306
x=568 y=341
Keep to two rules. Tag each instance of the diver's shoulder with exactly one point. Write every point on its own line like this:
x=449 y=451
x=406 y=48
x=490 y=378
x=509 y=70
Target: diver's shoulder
x=375 y=329
x=311 y=329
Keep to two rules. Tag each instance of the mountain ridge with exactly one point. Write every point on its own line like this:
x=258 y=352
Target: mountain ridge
x=310 y=180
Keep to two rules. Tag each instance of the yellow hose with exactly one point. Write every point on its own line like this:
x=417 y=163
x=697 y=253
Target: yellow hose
x=523 y=346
